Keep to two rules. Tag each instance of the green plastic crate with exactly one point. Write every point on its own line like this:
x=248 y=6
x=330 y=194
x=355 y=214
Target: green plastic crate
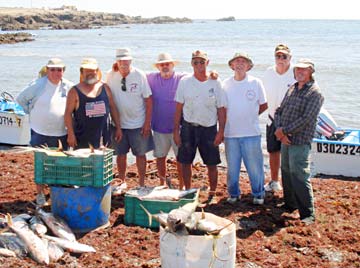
x=134 y=214
x=95 y=170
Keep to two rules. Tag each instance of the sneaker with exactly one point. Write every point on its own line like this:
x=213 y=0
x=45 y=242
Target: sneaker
x=308 y=220
x=273 y=186
x=232 y=200
x=258 y=201
x=41 y=200
x=211 y=200
x=118 y=189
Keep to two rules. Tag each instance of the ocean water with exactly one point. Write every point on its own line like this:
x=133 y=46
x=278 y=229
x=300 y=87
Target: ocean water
x=332 y=44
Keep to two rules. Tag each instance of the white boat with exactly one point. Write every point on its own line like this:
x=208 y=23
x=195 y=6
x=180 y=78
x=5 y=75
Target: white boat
x=14 y=123
x=335 y=151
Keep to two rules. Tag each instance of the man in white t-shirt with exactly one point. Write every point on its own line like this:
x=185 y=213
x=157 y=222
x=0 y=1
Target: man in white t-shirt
x=201 y=101
x=277 y=80
x=45 y=100
x=132 y=95
x=246 y=101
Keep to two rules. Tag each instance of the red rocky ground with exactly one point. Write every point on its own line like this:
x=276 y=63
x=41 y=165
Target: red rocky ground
x=266 y=236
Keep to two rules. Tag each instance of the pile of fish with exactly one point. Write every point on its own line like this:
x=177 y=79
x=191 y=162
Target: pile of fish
x=159 y=193
x=184 y=220
x=28 y=236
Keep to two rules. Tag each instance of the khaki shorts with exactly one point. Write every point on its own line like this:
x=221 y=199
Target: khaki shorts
x=163 y=142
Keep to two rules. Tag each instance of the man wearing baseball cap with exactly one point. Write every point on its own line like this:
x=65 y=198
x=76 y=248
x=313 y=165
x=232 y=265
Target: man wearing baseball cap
x=277 y=80
x=87 y=109
x=295 y=122
x=44 y=100
x=202 y=103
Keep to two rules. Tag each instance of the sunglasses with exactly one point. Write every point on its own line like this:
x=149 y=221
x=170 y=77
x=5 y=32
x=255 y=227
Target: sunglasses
x=202 y=62
x=56 y=69
x=164 y=64
x=123 y=84
x=281 y=57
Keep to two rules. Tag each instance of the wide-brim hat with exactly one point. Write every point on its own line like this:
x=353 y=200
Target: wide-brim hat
x=55 y=63
x=305 y=63
x=123 y=54
x=241 y=55
x=165 y=57
x=89 y=63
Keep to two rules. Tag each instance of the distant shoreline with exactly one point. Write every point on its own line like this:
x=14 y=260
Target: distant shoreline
x=68 y=17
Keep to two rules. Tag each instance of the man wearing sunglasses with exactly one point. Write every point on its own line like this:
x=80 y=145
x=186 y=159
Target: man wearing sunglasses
x=132 y=96
x=44 y=100
x=277 y=80
x=201 y=102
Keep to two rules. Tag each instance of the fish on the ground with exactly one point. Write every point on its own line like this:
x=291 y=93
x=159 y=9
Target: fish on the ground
x=159 y=193
x=12 y=242
x=55 y=252
x=58 y=226
x=33 y=243
x=7 y=252
x=37 y=225
x=71 y=246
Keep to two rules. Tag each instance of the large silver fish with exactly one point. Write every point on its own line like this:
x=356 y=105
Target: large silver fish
x=38 y=251
x=159 y=217
x=71 y=246
x=178 y=217
x=12 y=242
x=159 y=193
x=37 y=225
x=55 y=252
x=58 y=226
x=7 y=252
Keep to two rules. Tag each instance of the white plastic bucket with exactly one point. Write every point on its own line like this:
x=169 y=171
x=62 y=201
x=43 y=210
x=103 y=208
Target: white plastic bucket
x=193 y=251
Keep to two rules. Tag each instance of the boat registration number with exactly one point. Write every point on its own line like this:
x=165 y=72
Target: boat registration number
x=338 y=149
x=10 y=121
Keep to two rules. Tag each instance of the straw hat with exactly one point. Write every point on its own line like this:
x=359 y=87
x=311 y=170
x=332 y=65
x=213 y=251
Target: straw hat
x=165 y=57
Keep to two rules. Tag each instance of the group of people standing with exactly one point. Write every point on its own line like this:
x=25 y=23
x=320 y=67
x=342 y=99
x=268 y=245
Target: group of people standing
x=187 y=112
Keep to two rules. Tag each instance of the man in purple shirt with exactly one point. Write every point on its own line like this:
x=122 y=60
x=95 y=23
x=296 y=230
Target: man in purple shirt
x=163 y=85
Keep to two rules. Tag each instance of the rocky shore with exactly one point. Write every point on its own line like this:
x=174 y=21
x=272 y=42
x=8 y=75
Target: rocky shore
x=12 y=19
x=15 y=38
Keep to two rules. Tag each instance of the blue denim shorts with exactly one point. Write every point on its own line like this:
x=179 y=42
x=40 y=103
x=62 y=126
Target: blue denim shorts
x=198 y=137
x=133 y=139
x=37 y=140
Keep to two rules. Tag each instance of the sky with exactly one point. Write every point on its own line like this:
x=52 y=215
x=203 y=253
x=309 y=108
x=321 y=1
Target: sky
x=209 y=9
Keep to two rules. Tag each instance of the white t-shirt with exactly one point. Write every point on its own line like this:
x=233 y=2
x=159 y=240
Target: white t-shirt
x=47 y=115
x=130 y=103
x=244 y=98
x=201 y=100
x=276 y=86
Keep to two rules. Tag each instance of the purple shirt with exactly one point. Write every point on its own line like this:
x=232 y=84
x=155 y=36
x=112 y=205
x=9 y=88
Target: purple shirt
x=163 y=96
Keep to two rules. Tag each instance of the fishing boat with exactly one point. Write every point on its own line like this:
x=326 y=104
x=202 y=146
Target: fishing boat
x=335 y=151
x=14 y=123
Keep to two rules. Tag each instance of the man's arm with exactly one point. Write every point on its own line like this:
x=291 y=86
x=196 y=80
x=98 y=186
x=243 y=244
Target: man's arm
x=177 y=119
x=114 y=114
x=263 y=107
x=221 y=113
x=148 y=112
x=71 y=105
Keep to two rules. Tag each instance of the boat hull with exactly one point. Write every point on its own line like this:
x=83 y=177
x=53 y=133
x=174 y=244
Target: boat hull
x=14 y=128
x=340 y=158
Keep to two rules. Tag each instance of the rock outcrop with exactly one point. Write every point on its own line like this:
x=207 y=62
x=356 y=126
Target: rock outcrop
x=15 y=38
x=70 y=18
